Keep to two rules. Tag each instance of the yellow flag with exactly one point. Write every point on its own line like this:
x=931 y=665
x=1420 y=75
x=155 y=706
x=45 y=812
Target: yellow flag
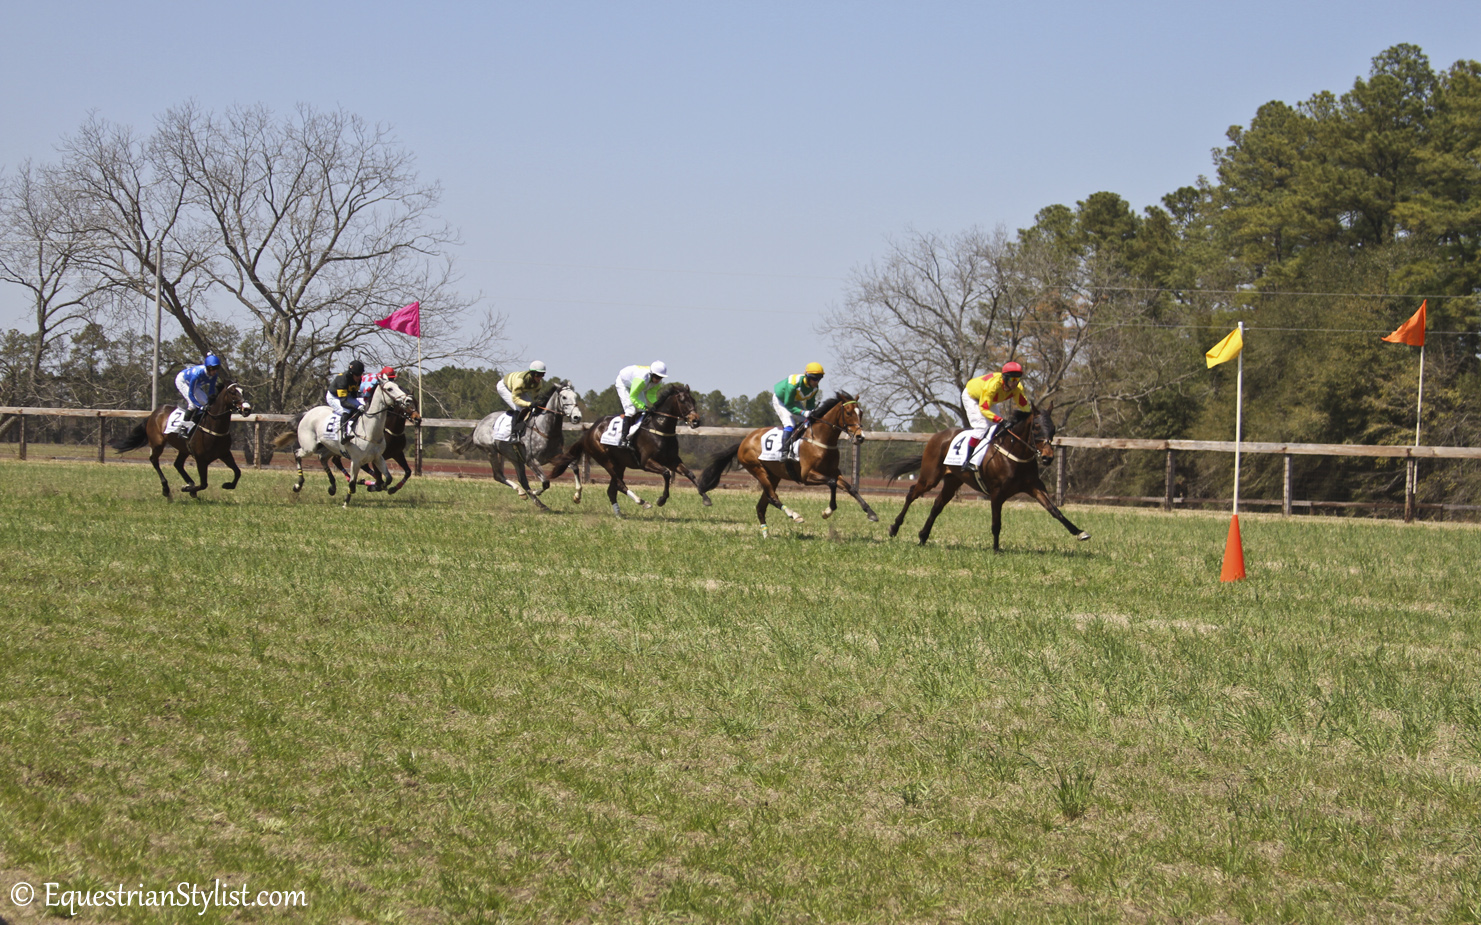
x=1225 y=350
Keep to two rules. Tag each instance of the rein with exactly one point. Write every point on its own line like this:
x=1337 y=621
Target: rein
x=998 y=447
x=840 y=428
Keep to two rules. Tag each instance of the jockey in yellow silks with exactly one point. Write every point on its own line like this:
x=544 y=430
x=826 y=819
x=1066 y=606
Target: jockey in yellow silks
x=982 y=393
x=519 y=390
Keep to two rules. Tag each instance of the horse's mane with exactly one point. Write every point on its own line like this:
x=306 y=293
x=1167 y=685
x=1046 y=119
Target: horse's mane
x=668 y=392
x=828 y=404
x=543 y=399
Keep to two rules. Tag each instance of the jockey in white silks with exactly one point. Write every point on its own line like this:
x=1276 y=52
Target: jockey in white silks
x=637 y=389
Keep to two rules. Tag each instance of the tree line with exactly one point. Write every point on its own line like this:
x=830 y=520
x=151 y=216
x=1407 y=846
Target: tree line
x=1324 y=226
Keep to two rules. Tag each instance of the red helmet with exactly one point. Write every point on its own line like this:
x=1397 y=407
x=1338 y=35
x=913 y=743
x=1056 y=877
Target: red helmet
x=388 y=372
x=1011 y=368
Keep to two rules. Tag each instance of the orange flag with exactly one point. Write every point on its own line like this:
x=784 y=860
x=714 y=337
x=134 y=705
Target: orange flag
x=1411 y=332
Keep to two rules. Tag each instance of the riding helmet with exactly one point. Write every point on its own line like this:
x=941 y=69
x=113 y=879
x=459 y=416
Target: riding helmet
x=814 y=369
x=356 y=368
x=388 y=372
x=537 y=367
x=659 y=369
x=212 y=361
x=1011 y=368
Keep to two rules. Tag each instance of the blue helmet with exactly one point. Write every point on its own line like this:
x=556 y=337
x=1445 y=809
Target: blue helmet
x=212 y=360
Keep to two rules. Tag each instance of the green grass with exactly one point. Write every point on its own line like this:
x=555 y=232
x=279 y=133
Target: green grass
x=442 y=706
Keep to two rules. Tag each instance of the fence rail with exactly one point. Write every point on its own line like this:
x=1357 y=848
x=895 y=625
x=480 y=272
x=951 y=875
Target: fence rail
x=1411 y=454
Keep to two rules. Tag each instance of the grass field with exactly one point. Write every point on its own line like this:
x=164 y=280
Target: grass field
x=443 y=707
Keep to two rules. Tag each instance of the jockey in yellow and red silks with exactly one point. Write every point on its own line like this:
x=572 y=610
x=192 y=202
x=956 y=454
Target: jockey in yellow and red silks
x=985 y=391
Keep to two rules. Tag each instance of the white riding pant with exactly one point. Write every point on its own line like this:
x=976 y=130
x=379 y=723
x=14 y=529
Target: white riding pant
x=788 y=418
x=507 y=395
x=976 y=420
x=343 y=407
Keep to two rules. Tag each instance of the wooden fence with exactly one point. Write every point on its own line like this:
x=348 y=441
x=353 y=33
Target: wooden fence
x=1411 y=454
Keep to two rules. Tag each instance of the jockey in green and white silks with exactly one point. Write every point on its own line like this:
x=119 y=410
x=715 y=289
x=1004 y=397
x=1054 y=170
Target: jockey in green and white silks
x=637 y=389
x=519 y=391
x=982 y=393
x=796 y=396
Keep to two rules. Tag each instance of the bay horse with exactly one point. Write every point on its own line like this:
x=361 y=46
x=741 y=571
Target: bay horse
x=655 y=448
x=543 y=439
x=367 y=446
x=816 y=462
x=1011 y=466
x=209 y=440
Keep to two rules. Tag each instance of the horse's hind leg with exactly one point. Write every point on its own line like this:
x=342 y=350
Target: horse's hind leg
x=839 y=481
x=180 y=468
x=683 y=470
x=405 y=474
x=324 y=461
x=164 y=483
x=298 y=458
x=948 y=491
x=919 y=488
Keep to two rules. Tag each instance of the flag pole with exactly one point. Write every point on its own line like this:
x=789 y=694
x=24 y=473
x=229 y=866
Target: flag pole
x=419 y=397
x=1238 y=419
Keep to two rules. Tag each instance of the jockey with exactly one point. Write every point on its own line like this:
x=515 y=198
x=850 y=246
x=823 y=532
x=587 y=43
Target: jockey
x=198 y=386
x=344 y=393
x=369 y=381
x=985 y=391
x=519 y=390
x=637 y=389
x=796 y=395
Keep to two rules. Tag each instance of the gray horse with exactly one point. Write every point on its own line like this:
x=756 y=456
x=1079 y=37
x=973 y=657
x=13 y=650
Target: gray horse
x=543 y=439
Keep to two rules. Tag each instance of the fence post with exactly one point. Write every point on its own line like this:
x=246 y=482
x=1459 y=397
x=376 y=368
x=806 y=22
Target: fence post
x=1411 y=466
x=1172 y=477
x=1286 y=487
x=857 y=463
x=257 y=441
x=20 y=448
x=1059 y=476
x=102 y=435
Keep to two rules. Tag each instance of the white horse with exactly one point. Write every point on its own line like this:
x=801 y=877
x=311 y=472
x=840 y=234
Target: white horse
x=543 y=439
x=364 y=448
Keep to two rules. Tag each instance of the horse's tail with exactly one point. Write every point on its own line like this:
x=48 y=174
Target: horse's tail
x=290 y=435
x=564 y=461
x=908 y=464
x=459 y=446
x=137 y=437
x=709 y=478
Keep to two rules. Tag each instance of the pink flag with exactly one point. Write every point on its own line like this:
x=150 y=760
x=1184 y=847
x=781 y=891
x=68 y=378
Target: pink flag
x=407 y=320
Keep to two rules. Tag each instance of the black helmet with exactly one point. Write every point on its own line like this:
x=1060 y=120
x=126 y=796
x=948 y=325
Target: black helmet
x=356 y=368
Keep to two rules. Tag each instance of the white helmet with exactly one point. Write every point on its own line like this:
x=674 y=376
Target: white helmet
x=658 y=369
x=537 y=367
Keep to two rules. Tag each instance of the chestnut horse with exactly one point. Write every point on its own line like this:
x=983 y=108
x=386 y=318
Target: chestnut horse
x=816 y=462
x=209 y=440
x=1011 y=466
x=655 y=448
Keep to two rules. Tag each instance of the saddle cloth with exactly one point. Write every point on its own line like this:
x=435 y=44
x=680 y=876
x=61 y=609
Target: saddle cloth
x=175 y=424
x=612 y=436
x=771 y=446
x=331 y=429
x=956 y=454
x=502 y=429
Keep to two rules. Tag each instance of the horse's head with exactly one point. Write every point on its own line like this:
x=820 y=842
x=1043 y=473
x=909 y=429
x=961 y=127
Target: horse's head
x=566 y=404
x=842 y=412
x=1034 y=429
x=231 y=400
x=390 y=395
x=677 y=400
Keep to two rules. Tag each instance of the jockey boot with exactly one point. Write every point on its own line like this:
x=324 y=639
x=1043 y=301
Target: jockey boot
x=969 y=465
x=788 y=435
x=627 y=422
x=517 y=423
x=344 y=423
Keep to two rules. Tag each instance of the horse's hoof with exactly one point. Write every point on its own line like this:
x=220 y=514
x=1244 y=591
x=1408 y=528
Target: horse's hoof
x=231 y=487
x=893 y=530
x=662 y=501
x=392 y=491
x=827 y=512
x=332 y=489
x=707 y=501
x=873 y=517
x=1083 y=536
x=647 y=506
x=575 y=499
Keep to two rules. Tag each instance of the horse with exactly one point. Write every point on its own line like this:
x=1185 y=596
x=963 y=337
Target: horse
x=1004 y=472
x=816 y=463
x=655 y=448
x=395 y=452
x=542 y=441
x=209 y=440
x=365 y=447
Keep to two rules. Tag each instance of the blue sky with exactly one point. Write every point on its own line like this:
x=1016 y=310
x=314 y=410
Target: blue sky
x=694 y=182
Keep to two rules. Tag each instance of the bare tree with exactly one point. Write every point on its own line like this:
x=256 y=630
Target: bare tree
x=39 y=254
x=920 y=322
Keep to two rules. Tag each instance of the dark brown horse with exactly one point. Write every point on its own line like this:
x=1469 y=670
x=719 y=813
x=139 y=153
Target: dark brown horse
x=655 y=448
x=209 y=440
x=1011 y=466
x=816 y=462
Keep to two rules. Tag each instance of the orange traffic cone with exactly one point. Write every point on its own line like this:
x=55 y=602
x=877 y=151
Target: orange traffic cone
x=1233 y=569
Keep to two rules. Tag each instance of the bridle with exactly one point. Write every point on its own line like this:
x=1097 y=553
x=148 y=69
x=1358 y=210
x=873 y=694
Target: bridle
x=235 y=406
x=856 y=432
x=1032 y=450
x=655 y=413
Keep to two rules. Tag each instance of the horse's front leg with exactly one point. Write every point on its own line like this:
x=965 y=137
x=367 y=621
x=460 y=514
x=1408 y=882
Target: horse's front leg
x=236 y=472
x=405 y=474
x=684 y=470
x=496 y=461
x=616 y=484
x=180 y=468
x=1041 y=494
x=524 y=485
x=164 y=483
x=833 y=485
x=539 y=475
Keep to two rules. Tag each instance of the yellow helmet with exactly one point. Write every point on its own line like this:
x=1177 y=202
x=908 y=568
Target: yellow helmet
x=814 y=369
